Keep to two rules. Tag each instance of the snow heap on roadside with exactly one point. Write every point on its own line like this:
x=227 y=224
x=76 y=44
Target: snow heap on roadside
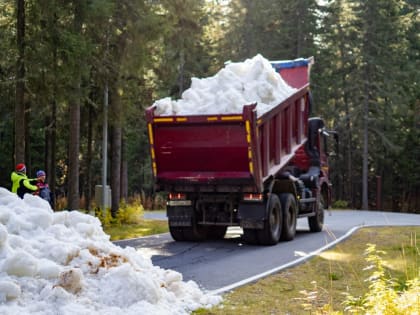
x=63 y=263
x=237 y=84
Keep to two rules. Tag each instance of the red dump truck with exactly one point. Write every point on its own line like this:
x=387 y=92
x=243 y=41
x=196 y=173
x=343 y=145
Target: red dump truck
x=258 y=173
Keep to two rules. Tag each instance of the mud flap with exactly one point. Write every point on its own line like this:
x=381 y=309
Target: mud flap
x=180 y=215
x=252 y=215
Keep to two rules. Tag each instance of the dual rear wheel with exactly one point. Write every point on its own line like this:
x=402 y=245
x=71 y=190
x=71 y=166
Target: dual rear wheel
x=280 y=223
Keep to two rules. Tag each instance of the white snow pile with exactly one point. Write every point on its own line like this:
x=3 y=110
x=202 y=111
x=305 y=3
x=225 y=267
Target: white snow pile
x=236 y=85
x=63 y=263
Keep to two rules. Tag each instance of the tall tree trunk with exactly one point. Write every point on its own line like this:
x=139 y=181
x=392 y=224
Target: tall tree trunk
x=181 y=73
x=249 y=36
x=52 y=135
x=116 y=138
x=74 y=145
x=19 y=143
x=115 y=169
x=349 y=142
x=349 y=195
x=50 y=144
x=89 y=158
x=365 y=202
x=74 y=140
x=51 y=131
x=124 y=172
x=115 y=107
x=299 y=36
x=28 y=159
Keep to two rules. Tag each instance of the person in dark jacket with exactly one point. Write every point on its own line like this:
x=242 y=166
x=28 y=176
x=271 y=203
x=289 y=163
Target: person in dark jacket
x=21 y=184
x=43 y=189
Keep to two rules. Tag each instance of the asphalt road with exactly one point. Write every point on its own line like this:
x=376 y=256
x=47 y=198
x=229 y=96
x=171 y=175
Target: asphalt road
x=220 y=266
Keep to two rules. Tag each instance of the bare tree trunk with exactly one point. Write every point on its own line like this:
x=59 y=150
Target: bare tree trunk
x=124 y=173
x=27 y=146
x=365 y=201
x=20 y=123
x=348 y=178
x=181 y=71
x=349 y=148
x=89 y=158
x=51 y=130
x=50 y=143
x=115 y=169
x=116 y=138
x=74 y=145
x=299 y=36
x=52 y=137
x=74 y=140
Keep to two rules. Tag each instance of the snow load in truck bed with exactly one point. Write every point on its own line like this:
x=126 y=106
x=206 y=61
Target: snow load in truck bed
x=236 y=85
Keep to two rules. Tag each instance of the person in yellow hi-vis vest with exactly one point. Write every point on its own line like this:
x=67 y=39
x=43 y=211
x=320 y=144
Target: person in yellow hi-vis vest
x=21 y=184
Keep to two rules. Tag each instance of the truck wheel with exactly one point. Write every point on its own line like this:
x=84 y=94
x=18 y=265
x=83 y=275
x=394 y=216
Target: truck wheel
x=288 y=203
x=250 y=236
x=271 y=232
x=177 y=233
x=316 y=222
x=216 y=232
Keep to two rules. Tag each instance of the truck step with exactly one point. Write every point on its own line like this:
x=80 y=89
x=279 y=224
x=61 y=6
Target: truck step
x=307 y=200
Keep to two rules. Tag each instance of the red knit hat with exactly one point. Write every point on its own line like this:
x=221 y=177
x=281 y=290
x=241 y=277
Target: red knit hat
x=20 y=168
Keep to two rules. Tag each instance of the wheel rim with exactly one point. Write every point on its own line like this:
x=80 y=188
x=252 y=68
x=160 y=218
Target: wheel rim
x=275 y=221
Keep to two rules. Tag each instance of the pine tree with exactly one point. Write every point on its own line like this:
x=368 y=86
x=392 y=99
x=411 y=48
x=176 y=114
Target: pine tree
x=332 y=88
x=275 y=29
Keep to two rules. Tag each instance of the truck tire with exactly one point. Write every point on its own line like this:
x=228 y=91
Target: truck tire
x=250 y=236
x=270 y=234
x=316 y=223
x=288 y=204
x=177 y=233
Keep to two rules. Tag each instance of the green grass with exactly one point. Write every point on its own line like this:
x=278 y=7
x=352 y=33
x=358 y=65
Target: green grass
x=141 y=228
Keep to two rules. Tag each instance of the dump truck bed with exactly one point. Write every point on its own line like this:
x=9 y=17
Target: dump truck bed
x=238 y=152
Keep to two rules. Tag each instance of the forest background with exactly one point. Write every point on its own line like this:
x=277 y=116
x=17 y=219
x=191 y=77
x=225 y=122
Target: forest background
x=62 y=61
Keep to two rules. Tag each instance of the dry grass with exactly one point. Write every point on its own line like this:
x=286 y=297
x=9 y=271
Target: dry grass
x=318 y=286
